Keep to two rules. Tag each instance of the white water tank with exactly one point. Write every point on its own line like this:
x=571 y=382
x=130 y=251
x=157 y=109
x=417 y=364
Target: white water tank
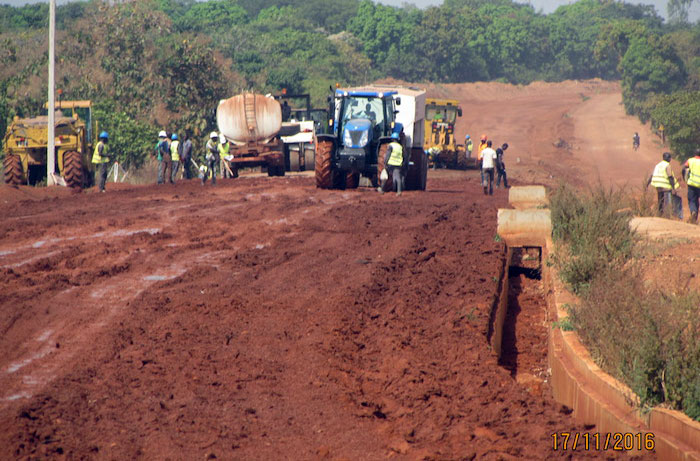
x=249 y=117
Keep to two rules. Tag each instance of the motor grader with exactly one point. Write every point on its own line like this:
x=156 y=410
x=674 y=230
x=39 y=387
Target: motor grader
x=26 y=143
x=440 y=141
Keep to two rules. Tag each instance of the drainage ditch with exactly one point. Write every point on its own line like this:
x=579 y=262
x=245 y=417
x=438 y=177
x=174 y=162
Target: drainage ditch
x=523 y=335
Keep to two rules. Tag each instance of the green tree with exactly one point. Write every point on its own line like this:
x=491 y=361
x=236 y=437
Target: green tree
x=379 y=27
x=680 y=114
x=212 y=16
x=131 y=140
x=649 y=66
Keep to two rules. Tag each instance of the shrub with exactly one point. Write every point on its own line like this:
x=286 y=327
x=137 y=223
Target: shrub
x=647 y=338
x=593 y=234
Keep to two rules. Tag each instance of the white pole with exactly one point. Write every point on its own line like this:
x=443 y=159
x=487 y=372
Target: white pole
x=51 y=149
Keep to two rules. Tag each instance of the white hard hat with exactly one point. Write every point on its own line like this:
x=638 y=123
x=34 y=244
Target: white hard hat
x=162 y=134
x=213 y=135
x=222 y=138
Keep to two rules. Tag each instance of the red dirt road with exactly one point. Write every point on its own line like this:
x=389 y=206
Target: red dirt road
x=259 y=319
x=266 y=319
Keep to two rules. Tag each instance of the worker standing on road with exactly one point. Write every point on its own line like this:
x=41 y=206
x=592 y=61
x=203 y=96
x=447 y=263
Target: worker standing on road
x=211 y=159
x=166 y=164
x=224 y=148
x=482 y=146
x=469 y=145
x=635 y=141
x=175 y=151
x=186 y=156
x=393 y=165
x=100 y=157
x=501 y=166
x=488 y=162
x=691 y=173
x=664 y=181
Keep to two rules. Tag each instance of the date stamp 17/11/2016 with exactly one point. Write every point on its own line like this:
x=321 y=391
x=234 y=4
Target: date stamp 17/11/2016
x=616 y=441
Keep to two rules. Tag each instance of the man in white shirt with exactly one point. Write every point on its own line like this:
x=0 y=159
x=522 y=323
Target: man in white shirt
x=488 y=162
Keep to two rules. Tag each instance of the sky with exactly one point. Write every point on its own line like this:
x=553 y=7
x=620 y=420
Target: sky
x=546 y=6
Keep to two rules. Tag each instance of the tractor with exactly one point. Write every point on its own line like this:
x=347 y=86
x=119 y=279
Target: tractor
x=362 y=124
x=26 y=143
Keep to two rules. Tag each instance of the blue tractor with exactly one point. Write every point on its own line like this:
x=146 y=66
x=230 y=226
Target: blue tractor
x=361 y=127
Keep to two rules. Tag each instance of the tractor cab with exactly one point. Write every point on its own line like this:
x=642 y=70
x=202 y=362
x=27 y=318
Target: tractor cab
x=364 y=120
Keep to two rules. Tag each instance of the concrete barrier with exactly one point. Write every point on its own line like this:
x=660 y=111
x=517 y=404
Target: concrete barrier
x=524 y=227
x=523 y=197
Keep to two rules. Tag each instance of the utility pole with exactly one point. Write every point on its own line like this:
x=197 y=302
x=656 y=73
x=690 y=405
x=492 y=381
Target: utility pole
x=51 y=148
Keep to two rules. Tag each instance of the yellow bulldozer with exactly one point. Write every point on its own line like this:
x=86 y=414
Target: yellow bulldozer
x=440 y=142
x=26 y=143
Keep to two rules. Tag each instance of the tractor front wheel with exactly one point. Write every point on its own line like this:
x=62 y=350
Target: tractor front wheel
x=13 y=170
x=381 y=155
x=352 y=180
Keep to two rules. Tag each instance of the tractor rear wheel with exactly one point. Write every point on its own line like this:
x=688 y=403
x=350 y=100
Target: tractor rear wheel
x=13 y=170
x=352 y=180
x=73 y=169
x=388 y=185
x=324 y=176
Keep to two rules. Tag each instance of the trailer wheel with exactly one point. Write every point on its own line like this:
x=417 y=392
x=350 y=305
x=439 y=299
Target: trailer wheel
x=324 y=176
x=13 y=170
x=308 y=158
x=352 y=180
x=73 y=169
x=294 y=160
x=380 y=167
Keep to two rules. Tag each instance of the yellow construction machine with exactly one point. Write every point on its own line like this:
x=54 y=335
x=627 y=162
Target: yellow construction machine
x=26 y=140
x=440 y=142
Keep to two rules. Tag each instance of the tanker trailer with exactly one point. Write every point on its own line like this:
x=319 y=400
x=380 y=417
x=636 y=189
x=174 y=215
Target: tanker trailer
x=251 y=123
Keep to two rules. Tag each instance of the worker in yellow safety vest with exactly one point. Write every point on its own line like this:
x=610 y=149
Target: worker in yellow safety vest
x=224 y=149
x=691 y=174
x=664 y=181
x=175 y=151
x=394 y=162
x=100 y=157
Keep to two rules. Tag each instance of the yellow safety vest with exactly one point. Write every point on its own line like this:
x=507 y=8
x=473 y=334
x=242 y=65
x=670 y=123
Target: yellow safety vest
x=660 y=178
x=96 y=157
x=469 y=145
x=694 y=172
x=396 y=158
x=174 y=155
x=223 y=149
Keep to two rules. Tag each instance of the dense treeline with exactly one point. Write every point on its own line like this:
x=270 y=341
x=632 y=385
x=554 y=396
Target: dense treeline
x=167 y=62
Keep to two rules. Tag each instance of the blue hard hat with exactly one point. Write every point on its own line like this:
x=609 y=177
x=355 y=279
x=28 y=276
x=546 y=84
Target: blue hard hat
x=395 y=135
x=466 y=137
x=173 y=137
x=104 y=135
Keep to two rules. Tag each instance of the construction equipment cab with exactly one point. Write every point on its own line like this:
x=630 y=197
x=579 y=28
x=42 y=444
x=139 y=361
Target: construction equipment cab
x=440 y=141
x=361 y=127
